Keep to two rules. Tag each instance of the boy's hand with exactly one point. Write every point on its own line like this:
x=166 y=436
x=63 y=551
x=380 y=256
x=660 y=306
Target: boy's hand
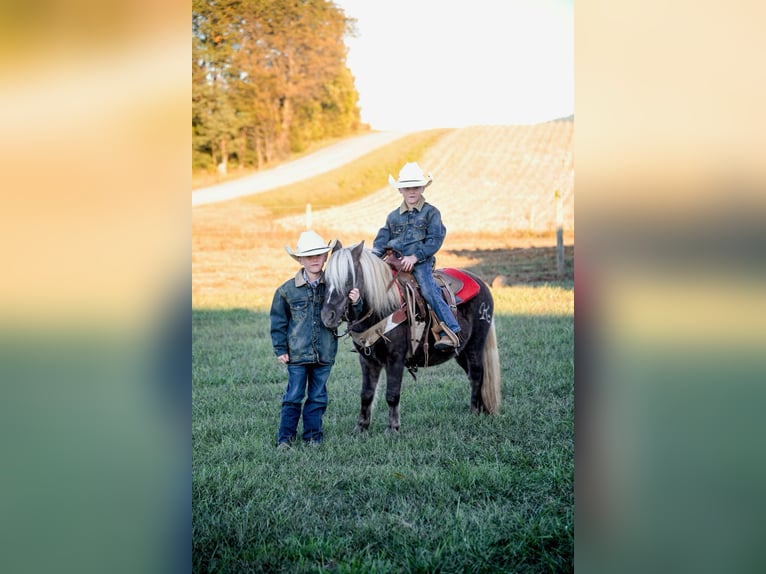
x=354 y=295
x=284 y=359
x=408 y=262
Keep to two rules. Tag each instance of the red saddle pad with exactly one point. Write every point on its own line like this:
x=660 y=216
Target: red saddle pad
x=470 y=286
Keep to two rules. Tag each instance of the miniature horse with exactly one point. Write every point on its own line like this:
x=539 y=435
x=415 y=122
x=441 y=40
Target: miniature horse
x=477 y=354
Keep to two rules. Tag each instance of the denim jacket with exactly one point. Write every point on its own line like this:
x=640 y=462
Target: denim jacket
x=418 y=231
x=296 y=325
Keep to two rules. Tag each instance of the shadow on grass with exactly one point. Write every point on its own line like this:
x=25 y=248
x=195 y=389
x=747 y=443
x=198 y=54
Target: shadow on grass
x=519 y=265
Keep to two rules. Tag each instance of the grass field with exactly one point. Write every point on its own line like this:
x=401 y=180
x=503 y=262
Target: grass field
x=453 y=492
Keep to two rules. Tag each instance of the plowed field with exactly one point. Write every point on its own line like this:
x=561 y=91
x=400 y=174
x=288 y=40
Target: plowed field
x=489 y=179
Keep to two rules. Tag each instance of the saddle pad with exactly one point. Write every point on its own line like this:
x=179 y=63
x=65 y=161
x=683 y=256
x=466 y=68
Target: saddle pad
x=470 y=286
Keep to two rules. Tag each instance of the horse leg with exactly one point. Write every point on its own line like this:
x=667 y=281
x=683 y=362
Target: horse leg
x=471 y=362
x=394 y=374
x=370 y=376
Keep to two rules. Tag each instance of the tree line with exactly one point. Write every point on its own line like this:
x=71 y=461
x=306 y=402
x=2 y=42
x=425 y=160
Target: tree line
x=268 y=78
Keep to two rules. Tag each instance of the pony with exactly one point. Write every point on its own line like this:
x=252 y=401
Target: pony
x=477 y=353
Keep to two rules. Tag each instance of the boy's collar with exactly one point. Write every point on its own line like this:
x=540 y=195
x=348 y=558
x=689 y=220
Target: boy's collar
x=301 y=278
x=404 y=208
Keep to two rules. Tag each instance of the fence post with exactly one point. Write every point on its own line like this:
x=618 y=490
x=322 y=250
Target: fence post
x=559 y=236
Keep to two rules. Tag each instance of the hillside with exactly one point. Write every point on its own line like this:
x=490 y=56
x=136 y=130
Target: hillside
x=488 y=179
x=494 y=186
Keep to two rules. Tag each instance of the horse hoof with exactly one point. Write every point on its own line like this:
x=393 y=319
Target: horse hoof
x=358 y=429
x=391 y=432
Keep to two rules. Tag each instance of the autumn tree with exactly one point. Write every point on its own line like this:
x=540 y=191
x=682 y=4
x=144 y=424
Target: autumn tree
x=269 y=77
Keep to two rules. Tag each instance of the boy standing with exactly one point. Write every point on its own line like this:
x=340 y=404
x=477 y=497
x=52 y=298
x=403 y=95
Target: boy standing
x=415 y=230
x=302 y=342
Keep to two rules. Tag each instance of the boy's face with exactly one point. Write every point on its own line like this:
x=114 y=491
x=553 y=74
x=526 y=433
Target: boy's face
x=412 y=194
x=313 y=263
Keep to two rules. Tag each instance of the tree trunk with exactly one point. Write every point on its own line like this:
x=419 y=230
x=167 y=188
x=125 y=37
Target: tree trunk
x=224 y=157
x=258 y=152
x=242 y=151
x=285 y=120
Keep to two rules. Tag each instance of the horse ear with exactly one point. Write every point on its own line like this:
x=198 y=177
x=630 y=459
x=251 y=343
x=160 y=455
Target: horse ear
x=338 y=245
x=356 y=250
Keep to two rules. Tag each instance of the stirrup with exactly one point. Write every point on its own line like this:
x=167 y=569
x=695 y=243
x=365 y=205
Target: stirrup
x=444 y=344
x=447 y=340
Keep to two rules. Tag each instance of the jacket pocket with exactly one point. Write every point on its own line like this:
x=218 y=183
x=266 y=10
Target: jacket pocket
x=419 y=230
x=298 y=310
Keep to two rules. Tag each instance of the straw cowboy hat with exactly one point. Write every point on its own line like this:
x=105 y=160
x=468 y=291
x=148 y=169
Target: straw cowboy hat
x=410 y=176
x=310 y=243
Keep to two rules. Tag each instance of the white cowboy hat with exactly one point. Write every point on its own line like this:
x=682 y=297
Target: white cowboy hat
x=310 y=243
x=410 y=176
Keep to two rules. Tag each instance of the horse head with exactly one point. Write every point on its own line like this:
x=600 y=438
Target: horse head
x=342 y=274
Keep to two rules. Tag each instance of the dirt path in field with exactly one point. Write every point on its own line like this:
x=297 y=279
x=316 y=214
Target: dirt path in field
x=313 y=164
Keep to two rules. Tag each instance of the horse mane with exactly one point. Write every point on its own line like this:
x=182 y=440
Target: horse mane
x=376 y=288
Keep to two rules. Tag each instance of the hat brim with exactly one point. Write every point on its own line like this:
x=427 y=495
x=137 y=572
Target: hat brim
x=411 y=183
x=309 y=252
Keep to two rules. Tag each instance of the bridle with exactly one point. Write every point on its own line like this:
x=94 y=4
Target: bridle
x=351 y=324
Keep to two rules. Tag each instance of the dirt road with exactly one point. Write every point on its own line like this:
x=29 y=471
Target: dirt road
x=318 y=162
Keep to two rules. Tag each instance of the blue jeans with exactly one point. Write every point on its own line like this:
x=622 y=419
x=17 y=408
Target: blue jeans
x=433 y=296
x=298 y=378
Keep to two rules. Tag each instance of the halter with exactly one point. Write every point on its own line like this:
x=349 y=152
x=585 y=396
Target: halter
x=350 y=325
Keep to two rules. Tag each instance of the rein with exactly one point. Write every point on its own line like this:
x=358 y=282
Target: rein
x=350 y=325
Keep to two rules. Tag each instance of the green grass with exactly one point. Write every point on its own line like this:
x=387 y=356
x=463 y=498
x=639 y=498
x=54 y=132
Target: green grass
x=452 y=493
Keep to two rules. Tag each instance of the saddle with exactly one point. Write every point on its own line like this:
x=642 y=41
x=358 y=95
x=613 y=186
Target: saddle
x=456 y=288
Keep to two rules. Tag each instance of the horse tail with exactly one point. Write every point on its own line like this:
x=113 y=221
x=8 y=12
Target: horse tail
x=491 y=394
